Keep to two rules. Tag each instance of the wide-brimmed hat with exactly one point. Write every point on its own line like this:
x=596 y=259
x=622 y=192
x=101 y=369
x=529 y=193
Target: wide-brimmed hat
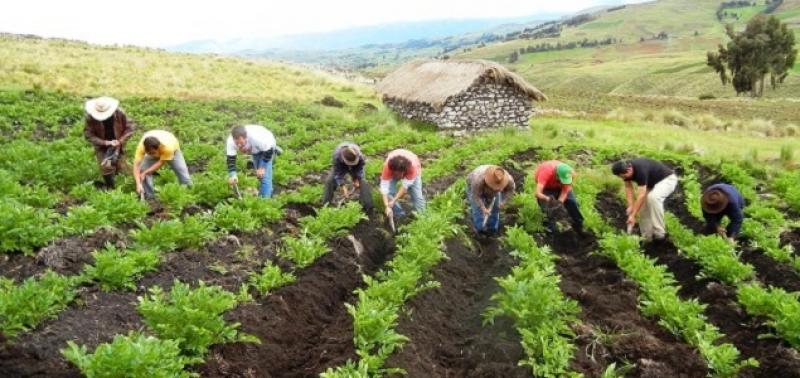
x=564 y=173
x=352 y=152
x=102 y=107
x=714 y=201
x=496 y=178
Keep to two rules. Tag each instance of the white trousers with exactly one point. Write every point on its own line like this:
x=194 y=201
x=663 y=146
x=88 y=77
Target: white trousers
x=651 y=216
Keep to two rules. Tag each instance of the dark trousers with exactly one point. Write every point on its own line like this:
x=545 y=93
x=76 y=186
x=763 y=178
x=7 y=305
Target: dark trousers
x=365 y=193
x=571 y=205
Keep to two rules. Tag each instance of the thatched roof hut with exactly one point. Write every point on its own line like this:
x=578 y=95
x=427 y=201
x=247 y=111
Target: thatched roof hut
x=441 y=91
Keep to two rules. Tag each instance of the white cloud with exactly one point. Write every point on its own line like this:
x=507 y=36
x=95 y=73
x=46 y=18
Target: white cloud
x=164 y=22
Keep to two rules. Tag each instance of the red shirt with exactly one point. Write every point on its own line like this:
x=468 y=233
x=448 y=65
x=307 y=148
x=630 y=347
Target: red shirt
x=546 y=174
x=411 y=173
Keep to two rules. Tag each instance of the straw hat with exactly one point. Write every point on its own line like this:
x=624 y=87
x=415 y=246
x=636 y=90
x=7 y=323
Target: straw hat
x=496 y=178
x=102 y=107
x=714 y=201
x=349 y=150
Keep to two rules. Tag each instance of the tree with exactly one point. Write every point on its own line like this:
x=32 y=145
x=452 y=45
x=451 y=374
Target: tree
x=765 y=47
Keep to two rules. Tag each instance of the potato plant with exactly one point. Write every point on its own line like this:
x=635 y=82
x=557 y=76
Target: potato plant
x=23 y=306
x=192 y=317
x=269 y=278
x=134 y=355
x=120 y=269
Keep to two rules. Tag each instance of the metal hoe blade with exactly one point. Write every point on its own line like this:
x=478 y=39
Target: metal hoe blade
x=236 y=191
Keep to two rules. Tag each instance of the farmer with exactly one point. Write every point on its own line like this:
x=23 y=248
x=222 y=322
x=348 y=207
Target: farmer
x=655 y=183
x=488 y=189
x=401 y=166
x=259 y=142
x=156 y=148
x=348 y=160
x=107 y=129
x=554 y=187
x=721 y=200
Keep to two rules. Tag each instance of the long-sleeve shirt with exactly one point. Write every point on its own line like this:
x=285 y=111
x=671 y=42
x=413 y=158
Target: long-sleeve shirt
x=411 y=174
x=97 y=132
x=340 y=168
x=734 y=211
x=480 y=191
x=260 y=143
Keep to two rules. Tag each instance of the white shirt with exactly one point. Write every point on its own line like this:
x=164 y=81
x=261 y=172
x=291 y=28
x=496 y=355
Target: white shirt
x=259 y=139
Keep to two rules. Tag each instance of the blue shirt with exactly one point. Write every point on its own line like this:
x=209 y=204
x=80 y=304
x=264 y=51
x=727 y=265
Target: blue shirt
x=734 y=210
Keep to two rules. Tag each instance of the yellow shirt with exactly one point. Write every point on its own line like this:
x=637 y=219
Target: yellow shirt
x=166 y=151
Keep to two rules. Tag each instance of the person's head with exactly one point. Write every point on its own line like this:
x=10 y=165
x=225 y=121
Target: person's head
x=151 y=145
x=564 y=173
x=714 y=201
x=239 y=135
x=399 y=165
x=349 y=156
x=496 y=178
x=623 y=169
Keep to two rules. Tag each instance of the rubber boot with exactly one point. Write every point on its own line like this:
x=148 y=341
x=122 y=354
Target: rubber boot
x=109 y=181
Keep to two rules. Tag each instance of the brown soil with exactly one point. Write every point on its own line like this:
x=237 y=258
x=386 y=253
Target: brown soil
x=65 y=256
x=304 y=327
x=101 y=316
x=792 y=237
x=613 y=330
x=775 y=356
x=444 y=325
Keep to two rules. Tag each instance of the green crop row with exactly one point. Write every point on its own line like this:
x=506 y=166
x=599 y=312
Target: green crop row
x=659 y=292
x=542 y=314
x=376 y=314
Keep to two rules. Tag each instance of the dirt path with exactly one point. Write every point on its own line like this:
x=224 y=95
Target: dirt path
x=776 y=357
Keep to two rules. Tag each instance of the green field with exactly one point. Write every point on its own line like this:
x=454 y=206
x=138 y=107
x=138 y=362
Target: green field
x=198 y=282
x=674 y=68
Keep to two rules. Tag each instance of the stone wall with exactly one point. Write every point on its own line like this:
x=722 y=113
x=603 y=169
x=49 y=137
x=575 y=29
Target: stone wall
x=484 y=105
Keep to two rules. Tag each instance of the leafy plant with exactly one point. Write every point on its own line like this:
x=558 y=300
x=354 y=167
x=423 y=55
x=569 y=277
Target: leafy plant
x=175 y=197
x=332 y=222
x=231 y=218
x=134 y=355
x=303 y=250
x=270 y=277
x=542 y=314
x=782 y=309
x=263 y=210
x=83 y=220
x=23 y=228
x=192 y=317
x=119 y=207
x=23 y=306
x=173 y=234
x=117 y=269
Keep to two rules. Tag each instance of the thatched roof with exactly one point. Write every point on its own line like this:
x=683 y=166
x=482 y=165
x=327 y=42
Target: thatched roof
x=435 y=81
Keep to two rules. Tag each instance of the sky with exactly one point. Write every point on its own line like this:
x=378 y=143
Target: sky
x=162 y=23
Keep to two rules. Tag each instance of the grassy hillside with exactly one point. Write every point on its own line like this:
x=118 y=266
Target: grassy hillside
x=85 y=69
x=653 y=67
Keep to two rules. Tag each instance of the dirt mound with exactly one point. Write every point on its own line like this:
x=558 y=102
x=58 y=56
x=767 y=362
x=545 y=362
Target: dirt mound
x=304 y=327
x=444 y=325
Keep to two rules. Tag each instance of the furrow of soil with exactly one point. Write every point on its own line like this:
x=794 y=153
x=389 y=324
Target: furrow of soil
x=304 y=327
x=444 y=324
x=612 y=328
x=776 y=357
